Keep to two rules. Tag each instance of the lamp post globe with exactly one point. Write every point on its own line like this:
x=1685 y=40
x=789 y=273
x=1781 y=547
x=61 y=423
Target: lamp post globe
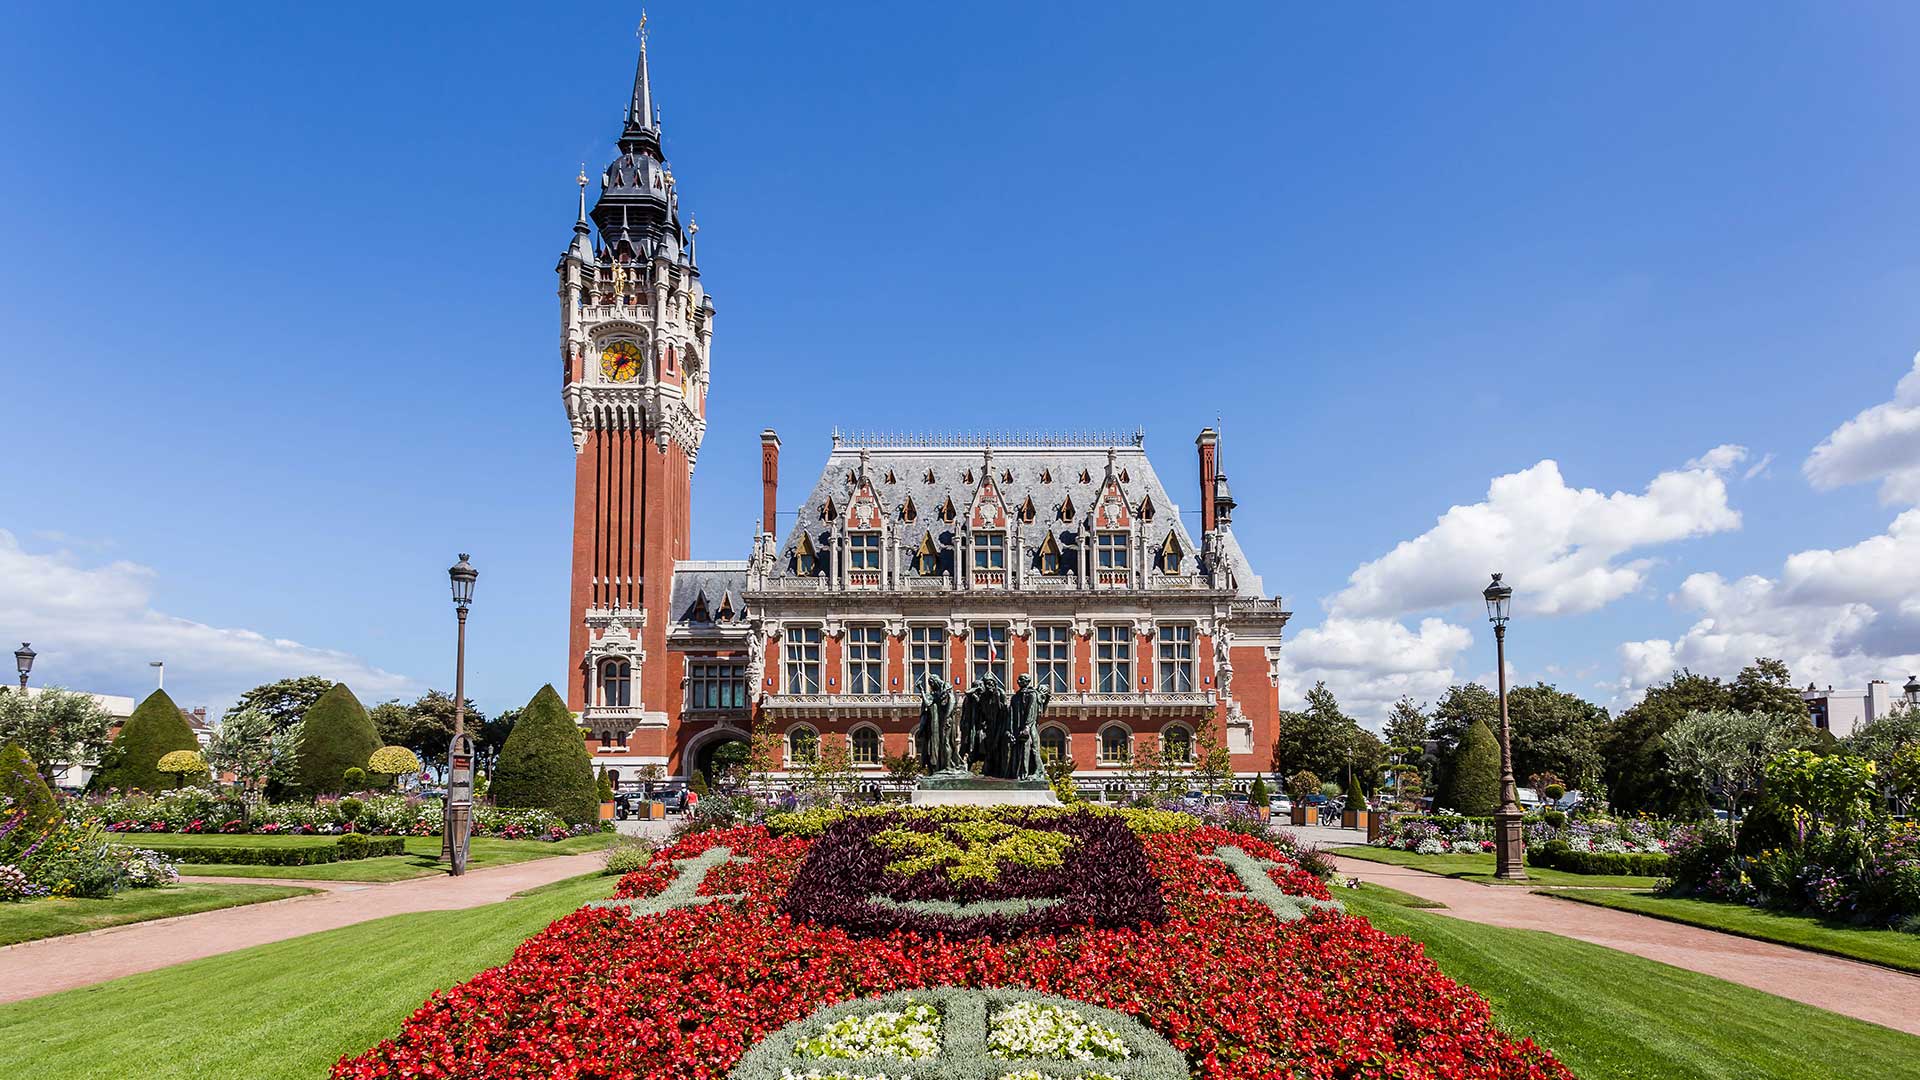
x=1509 y=849
x=23 y=662
x=457 y=824
x=1913 y=689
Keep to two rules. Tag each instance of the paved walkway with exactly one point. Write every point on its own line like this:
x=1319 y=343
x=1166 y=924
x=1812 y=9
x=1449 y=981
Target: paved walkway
x=1875 y=994
x=50 y=965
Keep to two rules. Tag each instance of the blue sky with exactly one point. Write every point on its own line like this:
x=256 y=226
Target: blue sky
x=277 y=318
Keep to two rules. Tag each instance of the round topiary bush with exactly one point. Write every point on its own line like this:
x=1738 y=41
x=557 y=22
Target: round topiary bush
x=349 y=809
x=182 y=765
x=335 y=736
x=392 y=761
x=28 y=810
x=155 y=729
x=544 y=763
x=355 y=779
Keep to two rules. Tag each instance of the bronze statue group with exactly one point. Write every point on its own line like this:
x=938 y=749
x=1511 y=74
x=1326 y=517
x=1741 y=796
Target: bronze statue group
x=996 y=731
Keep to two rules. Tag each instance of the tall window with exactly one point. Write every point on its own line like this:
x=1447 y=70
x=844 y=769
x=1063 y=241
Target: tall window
x=1053 y=745
x=1111 y=549
x=990 y=551
x=1116 y=745
x=1176 y=659
x=926 y=655
x=803 y=746
x=865 y=655
x=1177 y=743
x=1113 y=658
x=616 y=684
x=990 y=651
x=1051 y=662
x=716 y=684
x=864 y=747
x=803 y=660
x=863 y=551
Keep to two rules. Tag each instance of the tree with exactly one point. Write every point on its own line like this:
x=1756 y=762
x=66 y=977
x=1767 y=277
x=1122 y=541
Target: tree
x=545 y=763
x=426 y=726
x=1316 y=739
x=902 y=769
x=181 y=764
x=1406 y=731
x=55 y=728
x=28 y=810
x=336 y=735
x=1555 y=732
x=1634 y=749
x=1725 y=752
x=133 y=761
x=1257 y=795
x=490 y=734
x=1356 y=799
x=392 y=762
x=1302 y=784
x=1765 y=686
x=1473 y=784
x=1455 y=713
x=286 y=702
x=1885 y=736
x=251 y=746
x=1212 y=763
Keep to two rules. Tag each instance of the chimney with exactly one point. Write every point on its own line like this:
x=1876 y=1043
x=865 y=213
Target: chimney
x=769 y=479
x=1209 y=444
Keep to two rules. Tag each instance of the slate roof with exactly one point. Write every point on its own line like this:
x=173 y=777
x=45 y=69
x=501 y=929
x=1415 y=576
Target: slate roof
x=1048 y=475
x=713 y=578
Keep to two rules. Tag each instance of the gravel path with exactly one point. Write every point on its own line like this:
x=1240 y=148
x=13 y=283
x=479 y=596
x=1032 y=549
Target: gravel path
x=1864 y=991
x=48 y=966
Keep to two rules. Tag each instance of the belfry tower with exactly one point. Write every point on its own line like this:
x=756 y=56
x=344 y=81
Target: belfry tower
x=635 y=332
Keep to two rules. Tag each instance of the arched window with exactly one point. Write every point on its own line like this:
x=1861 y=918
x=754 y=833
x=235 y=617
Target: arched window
x=866 y=746
x=1177 y=743
x=1053 y=745
x=616 y=684
x=606 y=738
x=1116 y=744
x=803 y=746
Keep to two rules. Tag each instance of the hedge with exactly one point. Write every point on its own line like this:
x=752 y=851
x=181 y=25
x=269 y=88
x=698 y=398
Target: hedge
x=351 y=846
x=1559 y=855
x=155 y=728
x=544 y=763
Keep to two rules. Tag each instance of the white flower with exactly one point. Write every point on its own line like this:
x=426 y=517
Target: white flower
x=909 y=1033
x=1031 y=1029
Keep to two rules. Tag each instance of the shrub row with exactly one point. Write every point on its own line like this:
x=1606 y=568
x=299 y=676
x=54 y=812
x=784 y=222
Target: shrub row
x=350 y=846
x=1559 y=855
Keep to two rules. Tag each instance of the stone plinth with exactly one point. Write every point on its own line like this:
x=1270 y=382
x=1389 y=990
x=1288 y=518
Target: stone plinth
x=970 y=790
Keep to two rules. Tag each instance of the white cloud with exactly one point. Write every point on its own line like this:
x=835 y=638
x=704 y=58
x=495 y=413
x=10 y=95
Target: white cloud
x=95 y=629
x=1881 y=443
x=1835 y=616
x=1370 y=663
x=1762 y=468
x=1563 y=548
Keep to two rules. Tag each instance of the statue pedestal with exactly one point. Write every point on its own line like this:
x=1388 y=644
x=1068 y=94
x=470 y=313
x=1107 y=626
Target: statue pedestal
x=970 y=790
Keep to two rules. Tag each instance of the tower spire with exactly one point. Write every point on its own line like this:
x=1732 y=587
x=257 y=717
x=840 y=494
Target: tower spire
x=580 y=223
x=640 y=109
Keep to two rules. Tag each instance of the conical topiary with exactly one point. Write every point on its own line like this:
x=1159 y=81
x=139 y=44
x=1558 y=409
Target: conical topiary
x=544 y=763
x=28 y=810
x=335 y=736
x=133 y=761
x=1473 y=784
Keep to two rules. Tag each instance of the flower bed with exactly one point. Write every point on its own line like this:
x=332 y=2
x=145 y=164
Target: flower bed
x=194 y=811
x=1248 y=972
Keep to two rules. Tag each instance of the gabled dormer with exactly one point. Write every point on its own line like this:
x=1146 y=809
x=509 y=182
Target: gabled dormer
x=865 y=528
x=1111 y=523
x=988 y=532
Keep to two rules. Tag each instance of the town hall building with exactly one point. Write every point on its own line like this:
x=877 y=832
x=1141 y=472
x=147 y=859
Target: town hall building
x=1059 y=556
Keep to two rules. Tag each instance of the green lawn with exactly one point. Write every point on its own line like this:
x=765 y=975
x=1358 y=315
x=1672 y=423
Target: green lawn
x=421 y=860
x=1614 y=1016
x=286 y=1010
x=1888 y=947
x=1388 y=896
x=30 y=920
x=1480 y=868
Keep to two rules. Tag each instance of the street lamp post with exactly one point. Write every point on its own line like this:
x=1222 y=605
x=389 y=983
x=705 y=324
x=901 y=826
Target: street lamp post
x=1913 y=690
x=23 y=660
x=457 y=826
x=1509 y=845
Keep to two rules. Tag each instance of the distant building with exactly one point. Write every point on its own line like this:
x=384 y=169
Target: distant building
x=76 y=776
x=1844 y=712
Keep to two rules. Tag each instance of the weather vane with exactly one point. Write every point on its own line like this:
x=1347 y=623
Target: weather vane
x=641 y=31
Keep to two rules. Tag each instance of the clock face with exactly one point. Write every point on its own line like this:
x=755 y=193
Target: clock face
x=620 y=361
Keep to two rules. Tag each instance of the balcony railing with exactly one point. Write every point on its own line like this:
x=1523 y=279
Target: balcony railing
x=793 y=706
x=1152 y=702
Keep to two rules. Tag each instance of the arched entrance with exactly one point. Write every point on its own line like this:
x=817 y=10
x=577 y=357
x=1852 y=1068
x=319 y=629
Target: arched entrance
x=704 y=757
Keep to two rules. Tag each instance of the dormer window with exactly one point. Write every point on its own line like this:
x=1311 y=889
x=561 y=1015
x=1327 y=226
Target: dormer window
x=926 y=561
x=947 y=512
x=990 y=551
x=1086 y=477
x=928 y=478
x=1170 y=555
x=1046 y=476
x=890 y=477
x=826 y=509
x=1027 y=512
x=1066 y=508
x=1124 y=478
x=1146 y=508
x=1006 y=476
x=863 y=551
x=1110 y=550
x=967 y=477
x=806 y=561
x=1050 y=555
x=908 y=511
